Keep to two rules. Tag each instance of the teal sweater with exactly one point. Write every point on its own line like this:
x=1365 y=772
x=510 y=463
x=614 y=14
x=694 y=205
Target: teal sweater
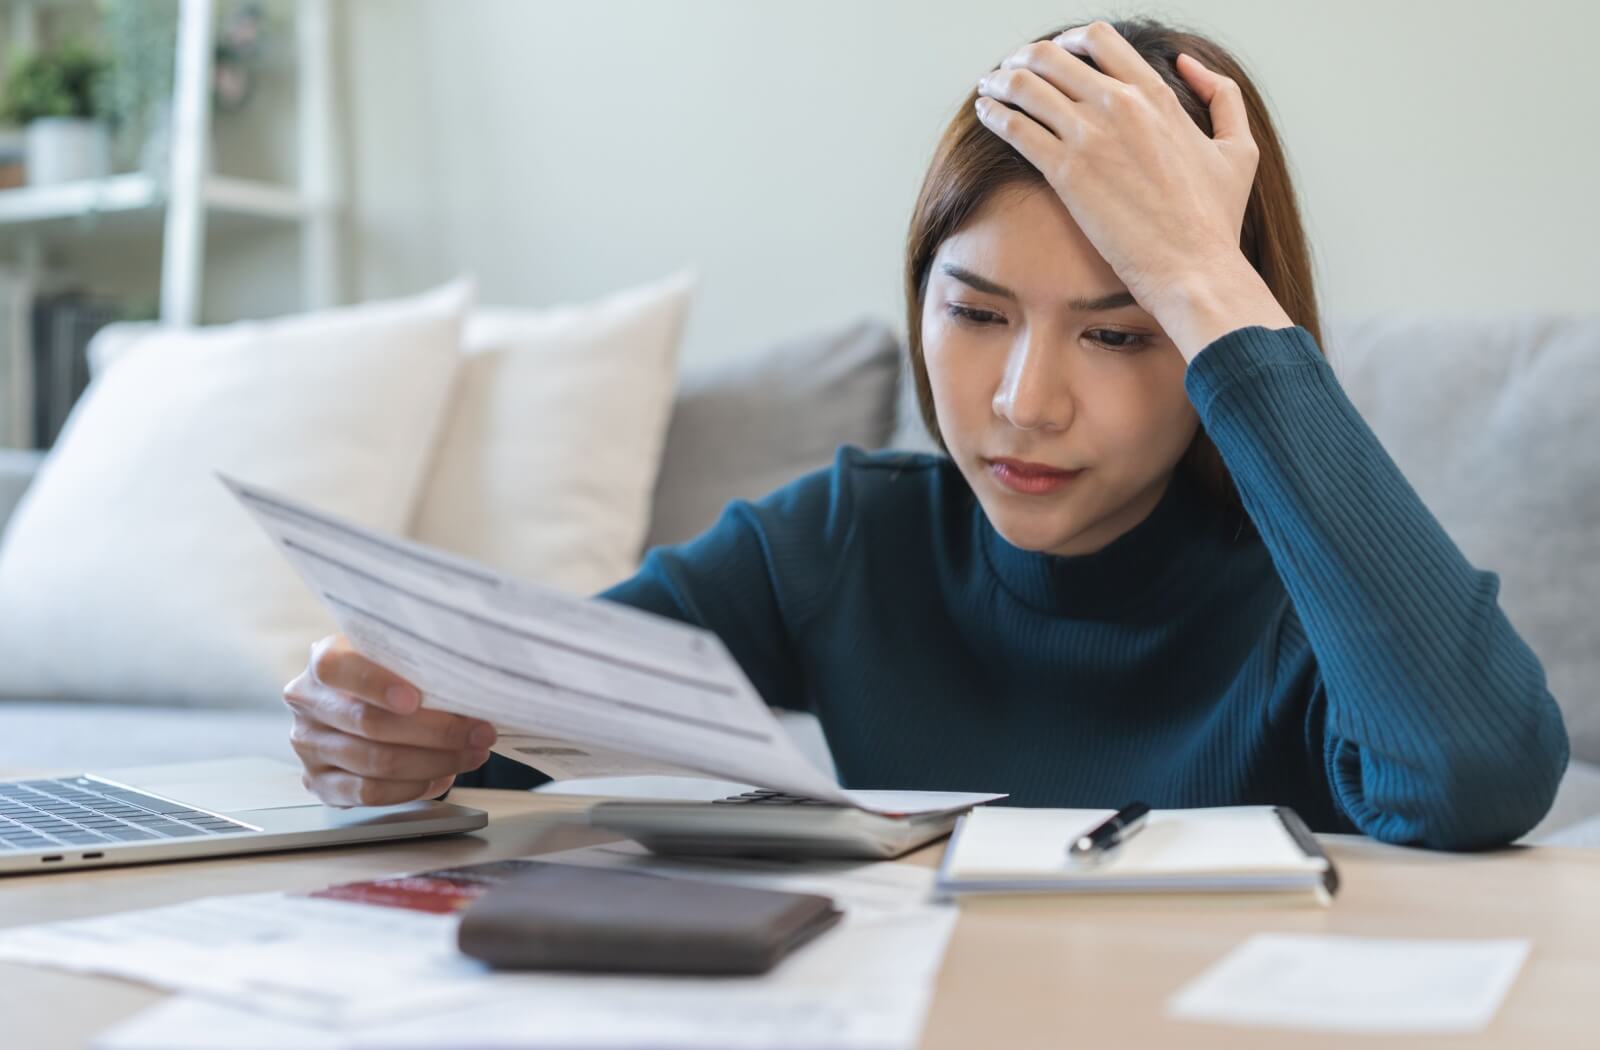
x=1342 y=658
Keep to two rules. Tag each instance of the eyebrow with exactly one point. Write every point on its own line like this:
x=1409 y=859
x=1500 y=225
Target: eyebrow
x=1113 y=301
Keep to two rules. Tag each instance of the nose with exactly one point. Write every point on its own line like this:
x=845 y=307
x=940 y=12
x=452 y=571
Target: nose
x=1033 y=393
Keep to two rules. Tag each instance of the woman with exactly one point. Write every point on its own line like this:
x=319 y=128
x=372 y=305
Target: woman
x=1090 y=598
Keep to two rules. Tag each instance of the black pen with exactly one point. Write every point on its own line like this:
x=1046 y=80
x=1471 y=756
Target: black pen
x=1097 y=843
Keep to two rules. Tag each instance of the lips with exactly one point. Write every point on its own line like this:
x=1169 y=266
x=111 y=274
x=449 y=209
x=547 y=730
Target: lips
x=1028 y=478
x=1027 y=469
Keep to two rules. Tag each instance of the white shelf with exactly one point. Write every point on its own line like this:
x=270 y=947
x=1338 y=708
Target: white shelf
x=189 y=204
x=41 y=204
x=76 y=204
x=250 y=197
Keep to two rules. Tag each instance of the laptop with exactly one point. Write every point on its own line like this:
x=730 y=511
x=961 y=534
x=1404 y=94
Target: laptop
x=197 y=809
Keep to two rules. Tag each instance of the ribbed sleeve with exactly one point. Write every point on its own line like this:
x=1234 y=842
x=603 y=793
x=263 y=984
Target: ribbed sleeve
x=1439 y=729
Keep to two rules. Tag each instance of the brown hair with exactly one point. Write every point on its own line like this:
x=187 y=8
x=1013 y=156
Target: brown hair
x=971 y=163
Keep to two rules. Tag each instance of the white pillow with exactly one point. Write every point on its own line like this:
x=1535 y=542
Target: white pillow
x=130 y=573
x=549 y=457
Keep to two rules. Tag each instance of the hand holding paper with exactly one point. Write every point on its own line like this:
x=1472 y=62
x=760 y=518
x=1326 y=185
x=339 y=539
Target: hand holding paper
x=363 y=737
x=575 y=686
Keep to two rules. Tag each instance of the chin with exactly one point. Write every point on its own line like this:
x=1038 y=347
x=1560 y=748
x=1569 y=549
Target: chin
x=1032 y=535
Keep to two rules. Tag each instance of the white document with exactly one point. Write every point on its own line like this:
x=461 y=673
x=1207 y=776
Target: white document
x=286 y=970
x=578 y=686
x=865 y=986
x=661 y=789
x=325 y=962
x=1355 y=984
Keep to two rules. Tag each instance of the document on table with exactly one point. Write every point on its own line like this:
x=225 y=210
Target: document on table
x=1355 y=984
x=579 y=686
x=865 y=987
x=320 y=961
x=373 y=963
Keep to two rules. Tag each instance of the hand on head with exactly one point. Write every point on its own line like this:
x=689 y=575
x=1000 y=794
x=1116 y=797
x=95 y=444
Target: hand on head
x=1160 y=199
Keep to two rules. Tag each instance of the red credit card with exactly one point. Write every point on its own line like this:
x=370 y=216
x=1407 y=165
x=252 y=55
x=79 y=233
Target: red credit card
x=440 y=892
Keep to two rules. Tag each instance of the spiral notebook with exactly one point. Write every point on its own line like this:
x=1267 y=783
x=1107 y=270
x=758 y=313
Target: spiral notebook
x=1228 y=849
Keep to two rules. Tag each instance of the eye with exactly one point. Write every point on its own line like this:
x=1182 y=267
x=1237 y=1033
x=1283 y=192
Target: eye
x=1121 y=341
x=969 y=315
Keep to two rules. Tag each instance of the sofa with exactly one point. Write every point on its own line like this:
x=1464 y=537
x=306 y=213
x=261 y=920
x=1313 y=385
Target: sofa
x=1491 y=419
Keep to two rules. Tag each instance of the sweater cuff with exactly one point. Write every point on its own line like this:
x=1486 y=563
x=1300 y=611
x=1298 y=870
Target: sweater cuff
x=1233 y=358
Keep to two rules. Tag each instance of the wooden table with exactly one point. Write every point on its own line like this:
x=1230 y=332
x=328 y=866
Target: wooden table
x=1019 y=972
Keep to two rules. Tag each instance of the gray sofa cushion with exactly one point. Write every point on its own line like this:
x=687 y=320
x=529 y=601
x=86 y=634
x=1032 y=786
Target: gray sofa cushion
x=740 y=430
x=65 y=736
x=1493 y=421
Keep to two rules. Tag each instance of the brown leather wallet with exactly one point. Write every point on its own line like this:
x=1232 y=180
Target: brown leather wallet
x=567 y=917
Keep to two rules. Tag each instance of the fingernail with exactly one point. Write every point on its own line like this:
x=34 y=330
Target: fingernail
x=983 y=83
x=402 y=698
x=482 y=736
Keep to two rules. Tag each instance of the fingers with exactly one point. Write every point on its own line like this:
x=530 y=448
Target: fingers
x=1229 y=120
x=1065 y=72
x=323 y=747
x=1027 y=136
x=422 y=728
x=363 y=738
x=338 y=788
x=1113 y=54
x=1045 y=80
x=1031 y=93
x=335 y=664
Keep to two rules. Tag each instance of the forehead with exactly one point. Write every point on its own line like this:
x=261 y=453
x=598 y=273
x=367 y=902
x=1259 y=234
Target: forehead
x=1023 y=237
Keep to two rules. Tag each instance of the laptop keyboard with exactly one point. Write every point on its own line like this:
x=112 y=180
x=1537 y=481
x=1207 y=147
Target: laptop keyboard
x=77 y=811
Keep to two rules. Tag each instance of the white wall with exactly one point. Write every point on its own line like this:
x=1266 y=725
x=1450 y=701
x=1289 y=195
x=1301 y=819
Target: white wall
x=1448 y=152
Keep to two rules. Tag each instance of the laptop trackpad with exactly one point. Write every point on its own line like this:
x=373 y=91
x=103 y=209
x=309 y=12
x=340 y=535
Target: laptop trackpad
x=223 y=785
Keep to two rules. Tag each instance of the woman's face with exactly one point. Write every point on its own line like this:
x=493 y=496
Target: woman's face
x=1026 y=368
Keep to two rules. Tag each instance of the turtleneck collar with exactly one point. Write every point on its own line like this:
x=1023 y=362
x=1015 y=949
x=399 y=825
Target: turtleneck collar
x=1123 y=575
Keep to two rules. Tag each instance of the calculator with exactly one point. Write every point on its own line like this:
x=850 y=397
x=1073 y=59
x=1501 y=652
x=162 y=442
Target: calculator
x=768 y=824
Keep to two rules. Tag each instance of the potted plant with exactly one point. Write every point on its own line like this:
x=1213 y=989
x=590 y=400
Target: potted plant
x=56 y=97
x=141 y=40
